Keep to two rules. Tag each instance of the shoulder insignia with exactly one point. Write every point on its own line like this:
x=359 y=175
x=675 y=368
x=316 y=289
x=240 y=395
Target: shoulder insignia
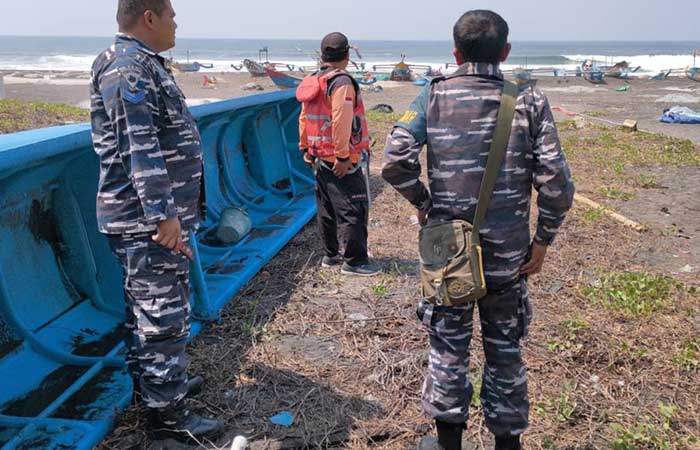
x=408 y=116
x=131 y=91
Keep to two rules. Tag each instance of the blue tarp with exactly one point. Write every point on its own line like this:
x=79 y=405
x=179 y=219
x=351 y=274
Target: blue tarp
x=680 y=114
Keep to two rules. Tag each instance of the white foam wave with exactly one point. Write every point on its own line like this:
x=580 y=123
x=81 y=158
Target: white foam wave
x=649 y=63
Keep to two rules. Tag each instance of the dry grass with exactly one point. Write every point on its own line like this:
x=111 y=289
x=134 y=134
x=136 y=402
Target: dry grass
x=347 y=357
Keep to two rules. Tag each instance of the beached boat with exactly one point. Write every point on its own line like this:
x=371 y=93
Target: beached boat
x=661 y=76
x=522 y=75
x=255 y=69
x=282 y=80
x=403 y=71
x=591 y=73
x=693 y=73
x=621 y=70
x=190 y=67
x=62 y=369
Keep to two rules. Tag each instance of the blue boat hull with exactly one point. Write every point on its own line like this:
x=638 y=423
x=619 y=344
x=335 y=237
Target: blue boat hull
x=61 y=300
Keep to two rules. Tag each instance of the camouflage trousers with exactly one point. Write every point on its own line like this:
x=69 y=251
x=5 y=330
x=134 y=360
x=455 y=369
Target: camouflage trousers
x=447 y=391
x=156 y=284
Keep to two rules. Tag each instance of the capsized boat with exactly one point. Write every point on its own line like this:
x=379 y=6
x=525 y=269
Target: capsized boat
x=64 y=380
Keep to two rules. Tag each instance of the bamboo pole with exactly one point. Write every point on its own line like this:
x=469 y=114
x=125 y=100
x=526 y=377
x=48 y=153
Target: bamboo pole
x=612 y=214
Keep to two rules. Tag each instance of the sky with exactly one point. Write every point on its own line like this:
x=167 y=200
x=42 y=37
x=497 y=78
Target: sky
x=538 y=20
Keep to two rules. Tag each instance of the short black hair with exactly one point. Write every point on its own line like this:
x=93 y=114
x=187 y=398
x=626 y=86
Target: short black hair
x=481 y=36
x=129 y=11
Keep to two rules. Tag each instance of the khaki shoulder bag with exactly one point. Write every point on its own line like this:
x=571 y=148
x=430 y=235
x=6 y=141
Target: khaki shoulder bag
x=452 y=270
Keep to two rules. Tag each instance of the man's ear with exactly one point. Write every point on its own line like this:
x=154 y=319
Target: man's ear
x=506 y=52
x=148 y=19
x=458 y=57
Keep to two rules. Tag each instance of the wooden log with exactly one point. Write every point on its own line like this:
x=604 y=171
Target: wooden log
x=612 y=214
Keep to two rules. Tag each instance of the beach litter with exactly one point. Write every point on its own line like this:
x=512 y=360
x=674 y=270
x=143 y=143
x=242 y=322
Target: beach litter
x=284 y=419
x=624 y=88
x=680 y=114
x=383 y=108
x=676 y=98
x=372 y=88
x=252 y=87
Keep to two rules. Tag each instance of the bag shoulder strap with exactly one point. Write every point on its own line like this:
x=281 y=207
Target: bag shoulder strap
x=499 y=144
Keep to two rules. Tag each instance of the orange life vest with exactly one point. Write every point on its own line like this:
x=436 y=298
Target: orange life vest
x=312 y=93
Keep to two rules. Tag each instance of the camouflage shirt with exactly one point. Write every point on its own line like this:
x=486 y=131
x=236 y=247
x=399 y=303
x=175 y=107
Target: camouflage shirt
x=147 y=141
x=456 y=117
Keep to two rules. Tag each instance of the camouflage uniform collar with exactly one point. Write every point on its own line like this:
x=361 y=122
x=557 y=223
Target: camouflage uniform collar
x=478 y=69
x=123 y=38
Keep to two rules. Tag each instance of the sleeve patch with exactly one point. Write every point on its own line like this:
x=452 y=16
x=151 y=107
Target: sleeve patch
x=408 y=117
x=132 y=85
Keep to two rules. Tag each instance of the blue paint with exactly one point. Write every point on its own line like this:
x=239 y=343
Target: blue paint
x=61 y=300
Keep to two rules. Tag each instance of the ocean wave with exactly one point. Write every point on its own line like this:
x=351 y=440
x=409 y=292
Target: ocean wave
x=649 y=63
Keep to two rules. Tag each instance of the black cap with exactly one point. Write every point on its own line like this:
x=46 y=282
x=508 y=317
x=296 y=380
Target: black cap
x=334 y=47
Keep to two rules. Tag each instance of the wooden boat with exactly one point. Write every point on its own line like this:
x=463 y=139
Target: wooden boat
x=403 y=71
x=693 y=73
x=661 y=75
x=591 y=73
x=256 y=70
x=282 y=80
x=522 y=75
x=190 y=67
x=64 y=378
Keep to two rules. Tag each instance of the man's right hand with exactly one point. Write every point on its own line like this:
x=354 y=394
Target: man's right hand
x=170 y=236
x=308 y=159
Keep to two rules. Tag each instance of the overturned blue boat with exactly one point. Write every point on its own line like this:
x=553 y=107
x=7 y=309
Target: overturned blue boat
x=61 y=301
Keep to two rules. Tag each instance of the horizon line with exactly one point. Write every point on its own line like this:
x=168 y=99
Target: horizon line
x=360 y=40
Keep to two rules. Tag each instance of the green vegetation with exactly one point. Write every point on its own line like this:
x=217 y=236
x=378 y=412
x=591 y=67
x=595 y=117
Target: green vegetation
x=592 y=215
x=688 y=357
x=653 y=435
x=633 y=293
x=563 y=407
x=380 y=289
x=615 y=193
x=476 y=393
x=16 y=115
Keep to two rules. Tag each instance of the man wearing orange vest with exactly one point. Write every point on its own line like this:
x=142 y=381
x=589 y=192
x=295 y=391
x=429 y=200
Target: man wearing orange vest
x=333 y=136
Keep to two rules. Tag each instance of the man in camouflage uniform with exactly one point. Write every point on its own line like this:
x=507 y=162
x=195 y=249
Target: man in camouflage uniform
x=456 y=116
x=148 y=201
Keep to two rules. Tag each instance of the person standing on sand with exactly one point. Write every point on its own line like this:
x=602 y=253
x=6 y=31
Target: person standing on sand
x=456 y=117
x=333 y=135
x=148 y=200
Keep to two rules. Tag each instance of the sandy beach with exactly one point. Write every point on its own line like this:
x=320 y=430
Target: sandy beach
x=644 y=102
x=347 y=355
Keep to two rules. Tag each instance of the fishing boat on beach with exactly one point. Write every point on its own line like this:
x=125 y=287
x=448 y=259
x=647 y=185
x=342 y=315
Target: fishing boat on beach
x=591 y=73
x=621 y=70
x=282 y=80
x=188 y=67
x=403 y=71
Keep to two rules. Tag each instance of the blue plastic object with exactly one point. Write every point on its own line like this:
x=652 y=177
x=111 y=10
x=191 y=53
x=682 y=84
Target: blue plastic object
x=285 y=419
x=681 y=114
x=62 y=373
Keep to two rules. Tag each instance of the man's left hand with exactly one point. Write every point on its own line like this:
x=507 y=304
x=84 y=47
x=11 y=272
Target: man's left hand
x=534 y=265
x=340 y=168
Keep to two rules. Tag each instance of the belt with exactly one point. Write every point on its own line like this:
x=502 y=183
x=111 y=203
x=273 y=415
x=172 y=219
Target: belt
x=318 y=162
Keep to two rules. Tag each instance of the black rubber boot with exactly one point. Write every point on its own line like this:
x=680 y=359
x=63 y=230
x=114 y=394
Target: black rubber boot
x=194 y=386
x=449 y=435
x=508 y=442
x=182 y=425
